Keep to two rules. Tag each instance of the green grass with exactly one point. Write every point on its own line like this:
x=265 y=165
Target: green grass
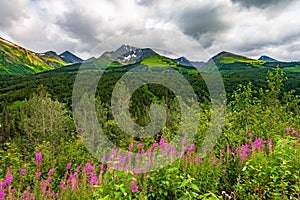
x=292 y=69
x=18 y=61
x=159 y=61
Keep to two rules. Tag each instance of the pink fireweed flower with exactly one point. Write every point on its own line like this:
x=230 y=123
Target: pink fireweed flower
x=270 y=141
x=192 y=147
x=250 y=135
x=150 y=187
x=130 y=146
x=154 y=145
x=9 y=178
x=78 y=168
x=258 y=144
x=103 y=159
x=134 y=186
x=183 y=141
x=38 y=175
x=244 y=152
x=68 y=166
x=2 y=195
x=23 y=171
x=140 y=145
x=38 y=157
x=50 y=172
x=198 y=160
x=162 y=143
x=288 y=129
x=295 y=133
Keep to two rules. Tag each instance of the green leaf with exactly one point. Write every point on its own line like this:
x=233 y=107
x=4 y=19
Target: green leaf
x=195 y=187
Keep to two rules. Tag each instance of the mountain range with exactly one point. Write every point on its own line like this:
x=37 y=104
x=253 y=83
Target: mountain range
x=16 y=60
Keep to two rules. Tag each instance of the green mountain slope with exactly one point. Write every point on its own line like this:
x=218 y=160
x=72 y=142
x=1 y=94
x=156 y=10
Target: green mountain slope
x=17 y=60
x=228 y=62
x=51 y=58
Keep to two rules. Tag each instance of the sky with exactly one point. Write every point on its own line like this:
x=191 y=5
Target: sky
x=246 y=27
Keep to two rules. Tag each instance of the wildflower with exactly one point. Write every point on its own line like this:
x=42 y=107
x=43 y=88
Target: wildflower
x=78 y=168
x=295 y=133
x=9 y=178
x=192 y=147
x=140 y=145
x=130 y=146
x=37 y=175
x=23 y=171
x=89 y=167
x=172 y=148
x=134 y=186
x=198 y=160
x=244 y=152
x=162 y=143
x=258 y=143
x=50 y=172
x=49 y=179
x=270 y=141
x=38 y=157
x=183 y=141
x=150 y=187
x=250 y=135
x=288 y=129
x=154 y=145
x=68 y=166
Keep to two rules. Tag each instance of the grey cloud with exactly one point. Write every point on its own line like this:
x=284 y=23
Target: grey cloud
x=203 y=24
x=145 y=2
x=261 y=3
x=10 y=10
x=80 y=27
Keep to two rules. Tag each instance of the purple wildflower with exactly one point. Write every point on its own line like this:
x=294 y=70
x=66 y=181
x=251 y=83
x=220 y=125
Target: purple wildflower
x=150 y=187
x=140 y=145
x=155 y=145
x=270 y=141
x=38 y=157
x=198 y=160
x=23 y=171
x=258 y=144
x=250 y=135
x=192 y=147
x=162 y=143
x=295 y=133
x=130 y=146
x=9 y=178
x=183 y=141
x=50 y=172
x=68 y=166
x=37 y=175
x=134 y=186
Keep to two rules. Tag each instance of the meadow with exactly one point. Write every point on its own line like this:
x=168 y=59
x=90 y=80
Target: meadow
x=256 y=156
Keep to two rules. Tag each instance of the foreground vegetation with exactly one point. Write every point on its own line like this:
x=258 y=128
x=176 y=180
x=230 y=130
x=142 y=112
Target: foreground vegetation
x=256 y=157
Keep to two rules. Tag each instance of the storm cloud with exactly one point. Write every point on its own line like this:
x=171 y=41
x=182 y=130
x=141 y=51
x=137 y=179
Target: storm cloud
x=262 y=3
x=248 y=27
